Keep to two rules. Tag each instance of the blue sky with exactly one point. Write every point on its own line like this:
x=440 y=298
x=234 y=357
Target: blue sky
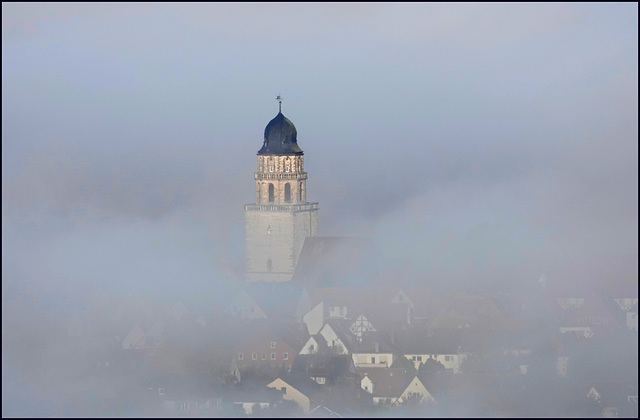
x=470 y=141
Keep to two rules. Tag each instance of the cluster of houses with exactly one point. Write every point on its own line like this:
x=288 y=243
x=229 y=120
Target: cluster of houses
x=268 y=349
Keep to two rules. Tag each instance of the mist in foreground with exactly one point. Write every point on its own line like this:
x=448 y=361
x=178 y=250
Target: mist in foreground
x=488 y=152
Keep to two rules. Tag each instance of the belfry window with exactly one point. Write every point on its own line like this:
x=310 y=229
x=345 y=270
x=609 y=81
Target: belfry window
x=271 y=193
x=287 y=193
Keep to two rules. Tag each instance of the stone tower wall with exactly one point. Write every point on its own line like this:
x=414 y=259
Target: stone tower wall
x=279 y=171
x=275 y=233
x=277 y=225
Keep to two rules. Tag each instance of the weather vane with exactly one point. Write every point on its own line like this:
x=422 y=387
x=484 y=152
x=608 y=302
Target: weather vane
x=279 y=99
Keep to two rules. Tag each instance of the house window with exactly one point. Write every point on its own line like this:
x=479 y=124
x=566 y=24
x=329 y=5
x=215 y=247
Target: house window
x=273 y=344
x=264 y=356
x=419 y=358
x=373 y=360
x=270 y=168
x=254 y=356
x=311 y=348
x=160 y=391
x=285 y=356
x=448 y=358
x=286 y=169
x=273 y=356
x=320 y=380
x=240 y=356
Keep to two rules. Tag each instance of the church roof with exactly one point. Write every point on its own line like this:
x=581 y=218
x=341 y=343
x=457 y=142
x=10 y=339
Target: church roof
x=331 y=261
x=280 y=138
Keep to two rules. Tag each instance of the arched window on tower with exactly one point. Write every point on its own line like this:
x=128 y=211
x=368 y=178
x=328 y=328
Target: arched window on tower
x=287 y=193
x=301 y=188
x=269 y=264
x=271 y=193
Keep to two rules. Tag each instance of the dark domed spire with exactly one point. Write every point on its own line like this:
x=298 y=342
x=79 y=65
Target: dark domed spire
x=280 y=138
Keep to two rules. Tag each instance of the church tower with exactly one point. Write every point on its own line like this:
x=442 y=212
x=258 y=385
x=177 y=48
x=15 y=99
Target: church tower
x=280 y=220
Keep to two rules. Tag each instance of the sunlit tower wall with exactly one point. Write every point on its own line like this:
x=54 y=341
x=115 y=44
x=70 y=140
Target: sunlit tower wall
x=280 y=220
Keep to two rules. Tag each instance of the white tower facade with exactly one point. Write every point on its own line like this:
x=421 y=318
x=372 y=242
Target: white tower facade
x=280 y=220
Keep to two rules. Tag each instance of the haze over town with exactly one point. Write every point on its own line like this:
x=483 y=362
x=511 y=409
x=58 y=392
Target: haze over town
x=479 y=147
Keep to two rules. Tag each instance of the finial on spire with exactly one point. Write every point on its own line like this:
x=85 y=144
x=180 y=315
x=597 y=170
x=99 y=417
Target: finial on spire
x=279 y=99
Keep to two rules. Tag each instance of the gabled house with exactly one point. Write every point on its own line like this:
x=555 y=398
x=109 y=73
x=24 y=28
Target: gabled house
x=297 y=388
x=361 y=326
x=393 y=386
x=252 y=397
x=387 y=308
x=442 y=345
x=338 y=336
x=315 y=318
x=267 y=345
x=372 y=350
x=338 y=340
x=325 y=369
x=315 y=344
